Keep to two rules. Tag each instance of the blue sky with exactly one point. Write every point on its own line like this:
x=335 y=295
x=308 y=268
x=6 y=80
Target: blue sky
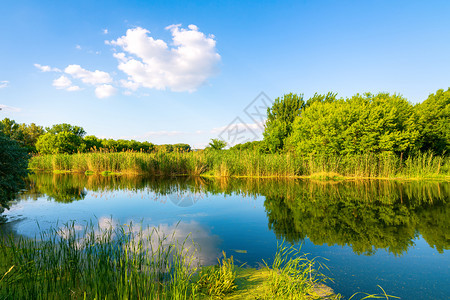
x=178 y=71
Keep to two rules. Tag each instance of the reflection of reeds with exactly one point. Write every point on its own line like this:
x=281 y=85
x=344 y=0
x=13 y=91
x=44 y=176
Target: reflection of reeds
x=124 y=262
x=103 y=262
x=247 y=163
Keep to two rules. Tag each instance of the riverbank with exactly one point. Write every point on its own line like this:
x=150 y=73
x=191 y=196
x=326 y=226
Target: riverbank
x=252 y=164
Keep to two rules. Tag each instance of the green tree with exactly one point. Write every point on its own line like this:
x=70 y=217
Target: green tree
x=63 y=142
x=13 y=168
x=279 y=120
x=26 y=135
x=217 y=144
x=64 y=127
x=434 y=121
x=363 y=123
x=30 y=135
x=11 y=129
x=92 y=142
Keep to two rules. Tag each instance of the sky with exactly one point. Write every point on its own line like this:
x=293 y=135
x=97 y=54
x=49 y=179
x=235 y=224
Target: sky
x=189 y=71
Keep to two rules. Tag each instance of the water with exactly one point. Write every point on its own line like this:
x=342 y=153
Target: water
x=385 y=233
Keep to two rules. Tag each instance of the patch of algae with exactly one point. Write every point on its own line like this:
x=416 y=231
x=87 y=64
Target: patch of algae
x=251 y=283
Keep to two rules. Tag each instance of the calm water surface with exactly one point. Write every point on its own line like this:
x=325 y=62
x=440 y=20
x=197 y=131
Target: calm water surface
x=391 y=234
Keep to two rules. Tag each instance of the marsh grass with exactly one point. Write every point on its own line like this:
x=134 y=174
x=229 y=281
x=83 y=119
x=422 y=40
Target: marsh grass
x=125 y=262
x=292 y=275
x=96 y=263
x=228 y=163
x=218 y=280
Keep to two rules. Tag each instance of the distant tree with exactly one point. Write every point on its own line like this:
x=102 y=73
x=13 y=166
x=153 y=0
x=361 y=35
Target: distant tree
x=251 y=146
x=11 y=129
x=217 y=144
x=13 y=167
x=92 y=142
x=182 y=148
x=62 y=142
x=30 y=135
x=434 y=121
x=64 y=127
x=279 y=120
x=26 y=135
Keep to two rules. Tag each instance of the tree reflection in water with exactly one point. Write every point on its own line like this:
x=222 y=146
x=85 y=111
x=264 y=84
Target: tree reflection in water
x=365 y=215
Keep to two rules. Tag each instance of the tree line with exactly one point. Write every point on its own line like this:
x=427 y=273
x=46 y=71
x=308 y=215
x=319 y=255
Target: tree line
x=375 y=123
x=66 y=138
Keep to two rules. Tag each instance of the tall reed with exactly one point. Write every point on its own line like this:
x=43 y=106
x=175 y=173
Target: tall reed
x=228 y=163
x=103 y=262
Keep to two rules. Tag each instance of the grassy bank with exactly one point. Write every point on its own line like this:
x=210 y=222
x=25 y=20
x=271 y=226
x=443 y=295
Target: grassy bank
x=248 y=164
x=106 y=262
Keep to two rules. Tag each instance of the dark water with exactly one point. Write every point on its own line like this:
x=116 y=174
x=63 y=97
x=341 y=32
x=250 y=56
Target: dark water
x=387 y=233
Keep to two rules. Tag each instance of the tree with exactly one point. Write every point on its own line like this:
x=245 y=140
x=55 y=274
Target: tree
x=26 y=135
x=217 y=144
x=434 y=121
x=30 y=135
x=62 y=142
x=280 y=117
x=362 y=123
x=64 y=127
x=13 y=167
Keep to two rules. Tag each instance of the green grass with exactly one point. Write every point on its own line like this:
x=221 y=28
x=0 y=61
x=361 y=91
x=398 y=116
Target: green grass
x=229 y=163
x=128 y=262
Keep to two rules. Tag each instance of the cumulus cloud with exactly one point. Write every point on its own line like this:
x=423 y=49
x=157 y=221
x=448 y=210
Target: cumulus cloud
x=4 y=83
x=88 y=77
x=105 y=31
x=151 y=63
x=46 y=68
x=64 y=83
x=105 y=91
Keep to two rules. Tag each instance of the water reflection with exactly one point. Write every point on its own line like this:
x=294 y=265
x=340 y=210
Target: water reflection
x=365 y=215
x=200 y=244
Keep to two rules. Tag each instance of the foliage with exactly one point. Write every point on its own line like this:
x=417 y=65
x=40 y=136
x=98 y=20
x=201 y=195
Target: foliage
x=279 y=120
x=61 y=142
x=64 y=127
x=26 y=135
x=292 y=275
x=96 y=262
x=249 y=146
x=174 y=148
x=119 y=145
x=216 y=281
x=364 y=123
x=217 y=144
x=13 y=167
x=229 y=163
x=434 y=119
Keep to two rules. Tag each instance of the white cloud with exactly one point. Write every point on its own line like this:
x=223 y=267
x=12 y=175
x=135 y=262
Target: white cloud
x=46 y=68
x=73 y=88
x=4 y=83
x=9 y=108
x=151 y=63
x=64 y=83
x=105 y=31
x=105 y=91
x=78 y=47
x=88 y=77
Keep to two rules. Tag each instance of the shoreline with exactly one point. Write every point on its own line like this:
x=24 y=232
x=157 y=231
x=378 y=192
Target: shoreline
x=322 y=176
